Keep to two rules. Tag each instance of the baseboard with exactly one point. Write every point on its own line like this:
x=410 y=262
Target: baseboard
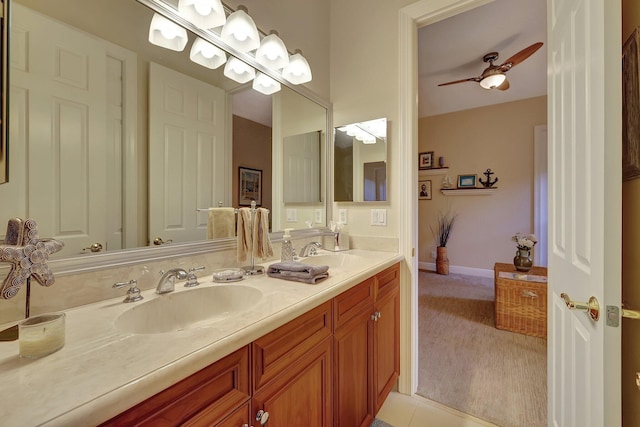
x=467 y=271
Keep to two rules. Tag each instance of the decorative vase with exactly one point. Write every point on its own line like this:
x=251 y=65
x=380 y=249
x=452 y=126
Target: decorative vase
x=522 y=261
x=442 y=262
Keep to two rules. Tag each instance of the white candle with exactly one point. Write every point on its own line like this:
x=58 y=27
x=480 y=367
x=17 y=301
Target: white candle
x=41 y=335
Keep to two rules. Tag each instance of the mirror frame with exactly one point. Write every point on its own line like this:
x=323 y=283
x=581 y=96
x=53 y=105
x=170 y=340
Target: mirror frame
x=133 y=256
x=4 y=104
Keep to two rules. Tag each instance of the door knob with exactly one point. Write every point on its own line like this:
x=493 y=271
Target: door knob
x=592 y=307
x=158 y=241
x=262 y=417
x=96 y=247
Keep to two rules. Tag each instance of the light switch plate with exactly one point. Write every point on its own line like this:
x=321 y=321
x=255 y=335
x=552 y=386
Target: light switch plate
x=292 y=215
x=342 y=216
x=379 y=217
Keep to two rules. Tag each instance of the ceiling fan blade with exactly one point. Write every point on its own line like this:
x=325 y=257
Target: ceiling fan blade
x=470 y=79
x=504 y=86
x=520 y=56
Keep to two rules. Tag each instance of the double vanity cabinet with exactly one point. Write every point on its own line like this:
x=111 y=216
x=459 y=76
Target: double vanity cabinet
x=331 y=366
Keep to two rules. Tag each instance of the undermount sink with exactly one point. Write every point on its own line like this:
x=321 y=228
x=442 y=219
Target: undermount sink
x=335 y=260
x=188 y=309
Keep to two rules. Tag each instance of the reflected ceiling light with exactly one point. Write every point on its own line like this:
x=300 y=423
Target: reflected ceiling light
x=272 y=52
x=240 y=31
x=298 y=70
x=492 y=81
x=206 y=54
x=167 y=34
x=265 y=84
x=238 y=70
x=205 y=14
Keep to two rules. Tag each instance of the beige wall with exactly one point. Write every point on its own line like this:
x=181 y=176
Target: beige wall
x=498 y=137
x=630 y=265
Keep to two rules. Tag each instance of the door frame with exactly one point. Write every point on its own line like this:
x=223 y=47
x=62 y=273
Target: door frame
x=412 y=17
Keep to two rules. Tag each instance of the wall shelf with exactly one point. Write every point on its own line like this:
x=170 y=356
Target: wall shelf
x=468 y=191
x=433 y=171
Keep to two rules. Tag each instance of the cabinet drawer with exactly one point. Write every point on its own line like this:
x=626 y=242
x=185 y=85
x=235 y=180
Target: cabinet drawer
x=203 y=398
x=387 y=281
x=278 y=350
x=353 y=302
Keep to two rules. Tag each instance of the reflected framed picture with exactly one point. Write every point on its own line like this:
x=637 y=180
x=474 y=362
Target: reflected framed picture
x=249 y=186
x=467 y=181
x=425 y=160
x=424 y=190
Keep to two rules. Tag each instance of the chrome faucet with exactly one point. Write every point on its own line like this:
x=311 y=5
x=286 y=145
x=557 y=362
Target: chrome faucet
x=168 y=280
x=310 y=249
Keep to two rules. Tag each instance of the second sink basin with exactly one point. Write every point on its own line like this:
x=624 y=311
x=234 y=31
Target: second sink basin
x=337 y=260
x=187 y=309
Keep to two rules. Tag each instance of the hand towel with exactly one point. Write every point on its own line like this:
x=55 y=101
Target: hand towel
x=244 y=234
x=221 y=223
x=294 y=270
x=261 y=242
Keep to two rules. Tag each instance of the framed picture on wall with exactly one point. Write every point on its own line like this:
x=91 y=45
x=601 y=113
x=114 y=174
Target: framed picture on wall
x=425 y=160
x=249 y=186
x=424 y=190
x=467 y=181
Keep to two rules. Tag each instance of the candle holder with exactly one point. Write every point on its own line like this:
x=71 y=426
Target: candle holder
x=41 y=335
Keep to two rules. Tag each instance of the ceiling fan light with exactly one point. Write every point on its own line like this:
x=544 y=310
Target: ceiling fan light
x=298 y=70
x=206 y=54
x=272 y=52
x=265 y=84
x=240 y=31
x=205 y=14
x=167 y=34
x=493 y=81
x=238 y=70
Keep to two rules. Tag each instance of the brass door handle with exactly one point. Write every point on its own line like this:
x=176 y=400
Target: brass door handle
x=592 y=307
x=96 y=247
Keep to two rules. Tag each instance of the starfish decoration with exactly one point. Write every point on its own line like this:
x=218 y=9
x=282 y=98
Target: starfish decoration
x=28 y=255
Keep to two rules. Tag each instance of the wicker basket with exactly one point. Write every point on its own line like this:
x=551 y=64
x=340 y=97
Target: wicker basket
x=521 y=306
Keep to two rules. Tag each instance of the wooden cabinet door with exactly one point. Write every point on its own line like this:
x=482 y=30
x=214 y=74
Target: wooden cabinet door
x=301 y=395
x=239 y=418
x=386 y=343
x=353 y=370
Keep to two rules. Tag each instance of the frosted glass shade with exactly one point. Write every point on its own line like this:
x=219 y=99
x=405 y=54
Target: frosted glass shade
x=238 y=70
x=206 y=54
x=167 y=34
x=272 y=52
x=205 y=14
x=240 y=31
x=265 y=84
x=298 y=70
x=492 y=81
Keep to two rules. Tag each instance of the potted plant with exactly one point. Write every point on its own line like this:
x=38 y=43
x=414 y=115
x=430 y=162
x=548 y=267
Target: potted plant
x=441 y=234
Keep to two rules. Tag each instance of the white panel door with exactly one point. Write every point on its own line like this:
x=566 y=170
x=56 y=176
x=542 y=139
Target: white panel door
x=584 y=204
x=187 y=154
x=58 y=78
x=302 y=168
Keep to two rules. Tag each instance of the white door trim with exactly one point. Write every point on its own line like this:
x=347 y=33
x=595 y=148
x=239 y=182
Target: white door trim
x=540 y=204
x=410 y=19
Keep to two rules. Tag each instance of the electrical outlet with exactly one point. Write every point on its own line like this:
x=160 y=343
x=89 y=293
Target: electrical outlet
x=292 y=215
x=374 y=217
x=318 y=216
x=434 y=255
x=342 y=216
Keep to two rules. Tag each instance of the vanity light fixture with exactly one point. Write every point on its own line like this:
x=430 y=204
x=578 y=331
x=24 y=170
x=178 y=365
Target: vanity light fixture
x=205 y=14
x=298 y=70
x=492 y=81
x=240 y=31
x=272 y=52
x=167 y=34
x=265 y=84
x=206 y=54
x=239 y=71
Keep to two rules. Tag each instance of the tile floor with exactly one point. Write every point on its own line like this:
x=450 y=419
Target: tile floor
x=401 y=410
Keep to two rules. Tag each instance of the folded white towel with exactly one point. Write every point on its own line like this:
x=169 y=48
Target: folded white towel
x=221 y=223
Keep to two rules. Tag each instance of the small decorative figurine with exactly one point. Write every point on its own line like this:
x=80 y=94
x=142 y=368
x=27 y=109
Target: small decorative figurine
x=488 y=183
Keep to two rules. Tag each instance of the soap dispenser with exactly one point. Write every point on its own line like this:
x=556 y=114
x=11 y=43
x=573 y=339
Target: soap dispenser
x=287 y=253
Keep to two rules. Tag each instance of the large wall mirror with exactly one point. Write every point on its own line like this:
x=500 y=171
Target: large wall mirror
x=360 y=161
x=116 y=143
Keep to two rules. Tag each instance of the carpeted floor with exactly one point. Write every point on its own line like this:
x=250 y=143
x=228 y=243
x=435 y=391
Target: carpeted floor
x=467 y=364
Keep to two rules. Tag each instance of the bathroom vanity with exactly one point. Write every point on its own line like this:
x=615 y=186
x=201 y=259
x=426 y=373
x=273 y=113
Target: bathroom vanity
x=313 y=355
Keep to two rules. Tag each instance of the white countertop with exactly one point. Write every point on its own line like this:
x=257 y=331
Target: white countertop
x=101 y=371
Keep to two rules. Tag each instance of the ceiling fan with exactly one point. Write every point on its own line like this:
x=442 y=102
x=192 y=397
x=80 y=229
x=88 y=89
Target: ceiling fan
x=493 y=77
